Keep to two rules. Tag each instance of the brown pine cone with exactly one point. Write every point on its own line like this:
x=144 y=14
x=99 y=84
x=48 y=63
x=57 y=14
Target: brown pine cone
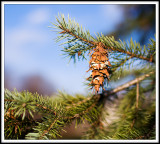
x=99 y=64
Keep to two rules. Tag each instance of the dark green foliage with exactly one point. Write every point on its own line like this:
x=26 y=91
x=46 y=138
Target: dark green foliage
x=54 y=113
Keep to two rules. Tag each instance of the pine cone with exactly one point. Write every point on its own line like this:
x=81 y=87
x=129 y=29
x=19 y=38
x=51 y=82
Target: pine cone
x=99 y=65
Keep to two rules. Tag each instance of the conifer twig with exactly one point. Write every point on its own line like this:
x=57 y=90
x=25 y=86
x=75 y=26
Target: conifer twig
x=137 y=96
x=128 y=84
x=45 y=108
x=106 y=47
x=83 y=112
x=46 y=131
x=76 y=36
x=79 y=103
x=95 y=97
x=131 y=54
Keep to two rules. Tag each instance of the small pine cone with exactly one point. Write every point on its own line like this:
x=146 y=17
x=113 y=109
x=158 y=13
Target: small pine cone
x=98 y=64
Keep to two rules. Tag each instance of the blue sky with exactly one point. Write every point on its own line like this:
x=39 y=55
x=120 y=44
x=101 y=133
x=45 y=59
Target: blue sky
x=30 y=47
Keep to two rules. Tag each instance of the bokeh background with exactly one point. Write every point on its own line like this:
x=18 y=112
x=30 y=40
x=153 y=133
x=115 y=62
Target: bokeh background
x=34 y=61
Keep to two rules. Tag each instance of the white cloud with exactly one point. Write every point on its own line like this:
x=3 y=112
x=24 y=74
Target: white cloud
x=25 y=37
x=19 y=44
x=38 y=16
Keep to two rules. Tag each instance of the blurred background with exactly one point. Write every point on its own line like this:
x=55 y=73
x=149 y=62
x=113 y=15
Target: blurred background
x=33 y=59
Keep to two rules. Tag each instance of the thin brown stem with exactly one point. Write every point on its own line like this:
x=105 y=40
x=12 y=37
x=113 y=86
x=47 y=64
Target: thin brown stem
x=132 y=124
x=95 y=97
x=46 y=131
x=45 y=108
x=128 y=84
x=130 y=54
x=137 y=96
x=76 y=36
x=79 y=103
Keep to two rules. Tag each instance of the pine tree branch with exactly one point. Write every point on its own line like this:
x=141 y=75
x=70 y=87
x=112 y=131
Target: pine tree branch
x=71 y=28
x=106 y=47
x=46 y=131
x=67 y=31
x=95 y=97
x=128 y=84
x=38 y=105
x=82 y=113
x=130 y=54
x=123 y=71
x=75 y=116
x=45 y=108
x=120 y=63
x=97 y=124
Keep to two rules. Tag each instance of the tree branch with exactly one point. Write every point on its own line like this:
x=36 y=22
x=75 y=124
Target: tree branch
x=137 y=97
x=130 y=54
x=76 y=36
x=128 y=84
x=106 y=47
x=46 y=131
